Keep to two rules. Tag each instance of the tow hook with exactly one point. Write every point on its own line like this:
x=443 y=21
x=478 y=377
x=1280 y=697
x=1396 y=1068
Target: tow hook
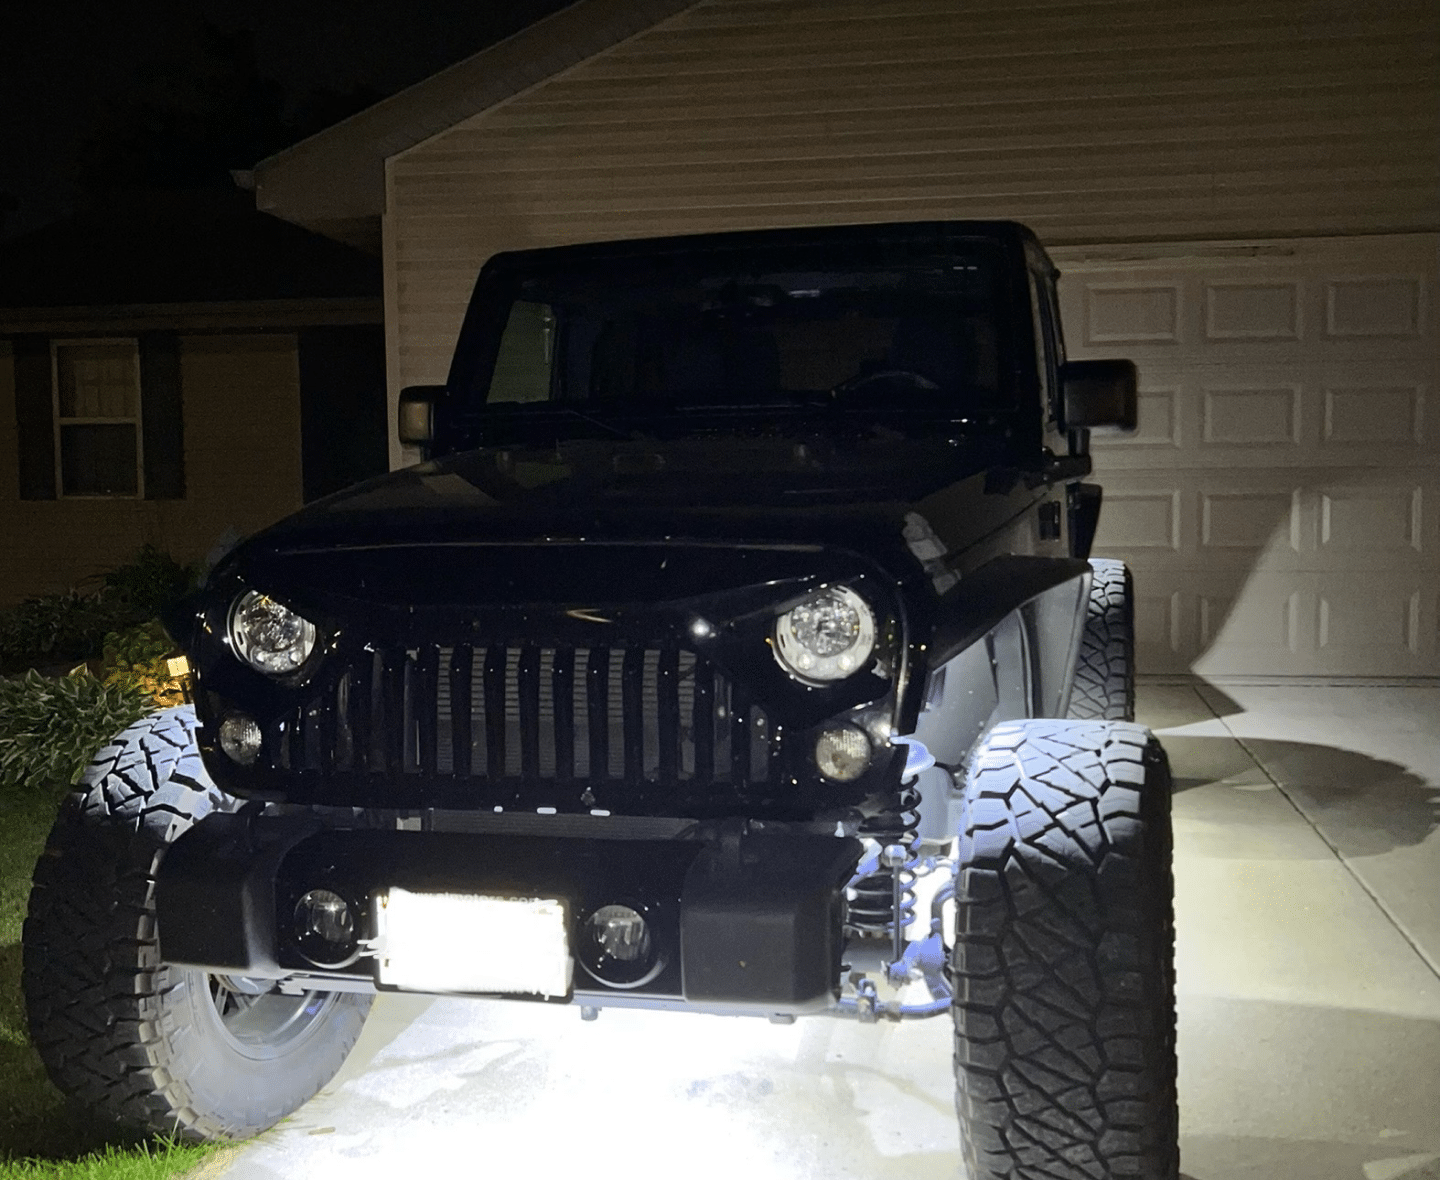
x=867 y=1000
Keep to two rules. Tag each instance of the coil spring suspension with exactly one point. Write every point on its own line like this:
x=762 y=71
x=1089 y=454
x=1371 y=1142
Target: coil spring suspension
x=875 y=909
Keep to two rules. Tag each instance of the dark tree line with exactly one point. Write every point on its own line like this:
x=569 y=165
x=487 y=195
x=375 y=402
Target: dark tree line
x=213 y=111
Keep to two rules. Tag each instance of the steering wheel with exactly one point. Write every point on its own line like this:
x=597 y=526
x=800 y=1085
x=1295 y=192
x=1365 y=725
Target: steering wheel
x=909 y=377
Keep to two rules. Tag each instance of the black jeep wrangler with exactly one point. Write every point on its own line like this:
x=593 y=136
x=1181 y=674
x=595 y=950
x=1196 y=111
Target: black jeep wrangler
x=735 y=648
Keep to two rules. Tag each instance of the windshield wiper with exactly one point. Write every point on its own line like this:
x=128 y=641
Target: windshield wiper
x=535 y=413
x=600 y=422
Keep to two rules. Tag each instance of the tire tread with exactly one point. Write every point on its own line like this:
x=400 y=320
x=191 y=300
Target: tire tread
x=97 y=994
x=1104 y=686
x=1063 y=968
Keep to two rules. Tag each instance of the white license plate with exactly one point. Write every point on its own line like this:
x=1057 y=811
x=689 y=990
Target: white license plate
x=460 y=942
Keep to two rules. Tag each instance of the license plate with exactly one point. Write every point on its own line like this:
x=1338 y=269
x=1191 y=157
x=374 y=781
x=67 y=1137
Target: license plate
x=460 y=942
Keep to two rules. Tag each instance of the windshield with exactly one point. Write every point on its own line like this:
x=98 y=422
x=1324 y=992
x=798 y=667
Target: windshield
x=711 y=331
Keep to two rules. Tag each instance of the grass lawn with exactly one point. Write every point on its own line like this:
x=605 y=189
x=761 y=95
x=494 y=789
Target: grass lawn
x=40 y=1137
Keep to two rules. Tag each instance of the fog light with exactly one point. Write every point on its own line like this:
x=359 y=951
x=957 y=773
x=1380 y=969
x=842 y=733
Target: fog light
x=617 y=947
x=240 y=739
x=325 y=928
x=620 y=932
x=842 y=753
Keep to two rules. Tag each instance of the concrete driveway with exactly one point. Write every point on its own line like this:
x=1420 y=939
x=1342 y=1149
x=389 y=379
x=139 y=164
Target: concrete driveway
x=1308 y=877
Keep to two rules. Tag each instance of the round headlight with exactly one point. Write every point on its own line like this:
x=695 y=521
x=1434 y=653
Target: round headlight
x=269 y=637
x=827 y=637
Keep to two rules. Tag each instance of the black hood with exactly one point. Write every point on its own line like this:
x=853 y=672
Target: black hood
x=742 y=491
x=595 y=522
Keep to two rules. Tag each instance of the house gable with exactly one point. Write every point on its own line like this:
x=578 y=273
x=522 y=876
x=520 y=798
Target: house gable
x=333 y=182
x=1124 y=121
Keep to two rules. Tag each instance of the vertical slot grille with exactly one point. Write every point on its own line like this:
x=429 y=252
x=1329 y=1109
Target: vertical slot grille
x=530 y=713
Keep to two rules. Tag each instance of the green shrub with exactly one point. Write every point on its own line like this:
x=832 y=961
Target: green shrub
x=64 y=628
x=150 y=583
x=60 y=627
x=51 y=728
x=137 y=659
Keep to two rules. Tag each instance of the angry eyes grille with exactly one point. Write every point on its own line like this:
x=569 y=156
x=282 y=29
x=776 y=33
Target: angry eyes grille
x=519 y=713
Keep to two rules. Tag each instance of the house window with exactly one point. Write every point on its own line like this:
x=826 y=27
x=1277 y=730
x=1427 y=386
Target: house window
x=98 y=437
x=98 y=417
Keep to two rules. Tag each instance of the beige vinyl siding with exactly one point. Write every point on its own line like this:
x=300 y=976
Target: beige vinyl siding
x=1279 y=502
x=1127 y=121
x=242 y=469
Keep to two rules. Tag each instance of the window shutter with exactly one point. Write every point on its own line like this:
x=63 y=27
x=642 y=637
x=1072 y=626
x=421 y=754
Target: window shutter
x=34 y=417
x=162 y=423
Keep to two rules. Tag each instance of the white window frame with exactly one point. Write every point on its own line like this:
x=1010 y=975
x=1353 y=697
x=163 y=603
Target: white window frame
x=137 y=421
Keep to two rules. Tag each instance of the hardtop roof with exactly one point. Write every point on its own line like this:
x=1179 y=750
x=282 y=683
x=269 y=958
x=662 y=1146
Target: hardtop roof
x=908 y=233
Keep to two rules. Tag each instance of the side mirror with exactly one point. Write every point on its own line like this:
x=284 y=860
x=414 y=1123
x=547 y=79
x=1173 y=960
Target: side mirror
x=416 y=414
x=1100 y=395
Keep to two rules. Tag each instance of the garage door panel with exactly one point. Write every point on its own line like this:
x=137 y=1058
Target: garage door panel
x=1141 y=519
x=1372 y=521
x=1252 y=310
x=1389 y=306
x=1280 y=501
x=1317 y=624
x=1264 y=311
x=1182 y=615
x=1251 y=520
x=1298 y=519
x=1353 y=619
x=1270 y=624
x=1267 y=618
x=1158 y=416
x=1144 y=313
x=1218 y=416
x=1163 y=642
x=1249 y=415
x=1373 y=414
x=1190 y=519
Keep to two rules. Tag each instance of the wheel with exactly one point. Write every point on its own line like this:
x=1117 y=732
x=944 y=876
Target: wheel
x=132 y=1040
x=1063 y=963
x=1105 y=668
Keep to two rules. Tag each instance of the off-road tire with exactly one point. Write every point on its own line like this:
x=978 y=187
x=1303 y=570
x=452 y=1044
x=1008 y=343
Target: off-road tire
x=1063 y=962
x=1104 y=687
x=130 y=1039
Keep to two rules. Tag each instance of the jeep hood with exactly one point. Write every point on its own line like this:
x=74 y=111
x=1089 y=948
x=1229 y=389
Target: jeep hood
x=636 y=521
x=737 y=490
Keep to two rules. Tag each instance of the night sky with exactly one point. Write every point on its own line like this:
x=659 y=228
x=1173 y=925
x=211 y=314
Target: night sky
x=74 y=70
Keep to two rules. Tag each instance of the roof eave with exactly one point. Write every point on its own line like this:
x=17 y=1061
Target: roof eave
x=250 y=315
x=334 y=181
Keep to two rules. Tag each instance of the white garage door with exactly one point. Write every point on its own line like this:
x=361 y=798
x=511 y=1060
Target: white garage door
x=1280 y=503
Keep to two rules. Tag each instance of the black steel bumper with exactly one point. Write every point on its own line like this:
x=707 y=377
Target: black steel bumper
x=740 y=921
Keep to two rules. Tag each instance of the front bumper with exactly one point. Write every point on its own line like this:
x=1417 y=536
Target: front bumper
x=739 y=921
